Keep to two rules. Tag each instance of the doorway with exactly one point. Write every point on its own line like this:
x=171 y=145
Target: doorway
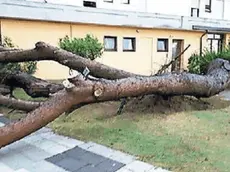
x=177 y=48
x=215 y=42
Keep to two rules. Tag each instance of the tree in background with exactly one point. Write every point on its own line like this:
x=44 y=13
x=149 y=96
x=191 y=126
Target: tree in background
x=27 y=67
x=88 y=47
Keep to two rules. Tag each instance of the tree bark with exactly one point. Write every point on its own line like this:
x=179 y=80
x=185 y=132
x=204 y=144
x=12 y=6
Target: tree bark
x=33 y=86
x=82 y=91
x=26 y=106
x=43 y=51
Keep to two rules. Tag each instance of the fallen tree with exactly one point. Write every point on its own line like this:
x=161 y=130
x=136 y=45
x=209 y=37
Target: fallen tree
x=107 y=84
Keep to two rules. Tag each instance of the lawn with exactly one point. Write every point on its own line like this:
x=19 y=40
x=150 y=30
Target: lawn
x=186 y=140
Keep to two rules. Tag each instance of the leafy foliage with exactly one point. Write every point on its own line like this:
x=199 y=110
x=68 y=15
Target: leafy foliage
x=198 y=64
x=28 y=67
x=88 y=47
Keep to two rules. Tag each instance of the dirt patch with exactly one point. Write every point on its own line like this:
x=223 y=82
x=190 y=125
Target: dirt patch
x=156 y=104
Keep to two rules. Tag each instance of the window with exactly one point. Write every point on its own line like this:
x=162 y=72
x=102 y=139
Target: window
x=89 y=4
x=110 y=43
x=125 y=1
x=195 y=12
x=129 y=44
x=208 y=6
x=215 y=42
x=110 y=1
x=162 y=45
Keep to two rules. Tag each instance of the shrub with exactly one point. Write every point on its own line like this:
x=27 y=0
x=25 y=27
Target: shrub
x=199 y=64
x=88 y=47
x=28 y=67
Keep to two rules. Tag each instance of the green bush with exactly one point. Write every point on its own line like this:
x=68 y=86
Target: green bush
x=28 y=67
x=198 y=64
x=88 y=47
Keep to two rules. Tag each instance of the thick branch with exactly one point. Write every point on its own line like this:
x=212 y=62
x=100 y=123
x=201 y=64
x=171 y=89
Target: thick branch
x=33 y=86
x=19 y=104
x=44 y=51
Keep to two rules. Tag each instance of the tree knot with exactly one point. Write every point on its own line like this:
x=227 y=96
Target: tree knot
x=40 y=45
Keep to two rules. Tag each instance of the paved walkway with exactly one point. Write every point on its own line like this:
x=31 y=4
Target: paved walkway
x=44 y=151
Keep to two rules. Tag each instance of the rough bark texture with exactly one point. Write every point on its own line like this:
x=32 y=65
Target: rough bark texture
x=33 y=86
x=19 y=104
x=44 y=51
x=88 y=91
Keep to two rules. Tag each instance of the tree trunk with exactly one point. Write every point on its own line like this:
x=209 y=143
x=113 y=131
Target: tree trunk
x=87 y=91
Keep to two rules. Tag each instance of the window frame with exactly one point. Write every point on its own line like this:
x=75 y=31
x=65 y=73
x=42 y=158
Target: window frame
x=192 y=12
x=127 y=3
x=166 y=41
x=208 y=7
x=108 y=1
x=89 y=6
x=115 y=43
x=133 y=39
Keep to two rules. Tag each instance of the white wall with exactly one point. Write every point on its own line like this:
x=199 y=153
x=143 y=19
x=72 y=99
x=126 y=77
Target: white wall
x=135 y=5
x=63 y=2
x=170 y=7
x=174 y=7
x=216 y=9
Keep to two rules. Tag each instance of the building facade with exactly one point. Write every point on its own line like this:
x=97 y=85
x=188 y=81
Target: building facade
x=138 y=35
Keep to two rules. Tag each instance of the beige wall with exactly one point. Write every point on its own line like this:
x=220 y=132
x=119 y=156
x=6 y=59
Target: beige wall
x=145 y=60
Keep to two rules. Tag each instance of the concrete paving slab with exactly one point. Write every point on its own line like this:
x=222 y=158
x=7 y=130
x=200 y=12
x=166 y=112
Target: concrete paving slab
x=137 y=166
x=5 y=168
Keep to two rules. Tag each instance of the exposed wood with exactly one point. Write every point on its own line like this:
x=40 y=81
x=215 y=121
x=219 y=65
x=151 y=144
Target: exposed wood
x=88 y=91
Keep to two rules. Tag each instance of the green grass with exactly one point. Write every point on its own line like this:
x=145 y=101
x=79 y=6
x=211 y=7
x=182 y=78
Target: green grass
x=186 y=141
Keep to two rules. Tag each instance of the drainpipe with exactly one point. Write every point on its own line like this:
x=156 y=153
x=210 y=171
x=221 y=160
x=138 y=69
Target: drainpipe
x=201 y=41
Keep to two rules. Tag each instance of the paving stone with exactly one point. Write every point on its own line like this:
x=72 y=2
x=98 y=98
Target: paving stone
x=122 y=157
x=4 y=120
x=75 y=152
x=56 y=158
x=5 y=168
x=32 y=138
x=70 y=143
x=44 y=144
x=110 y=165
x=16 y=161
x=35 y=153
x=87 y=145
x=92 y=158
x=123 y=169
x=44 y=166
x=5 y=150
x=138 y=166
x=158 y=170
x=90 y=168
x=71 y=164
x=98 y=149
x=21 y=170
x=56 y=149
x=18 y=146
x=43 y=130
